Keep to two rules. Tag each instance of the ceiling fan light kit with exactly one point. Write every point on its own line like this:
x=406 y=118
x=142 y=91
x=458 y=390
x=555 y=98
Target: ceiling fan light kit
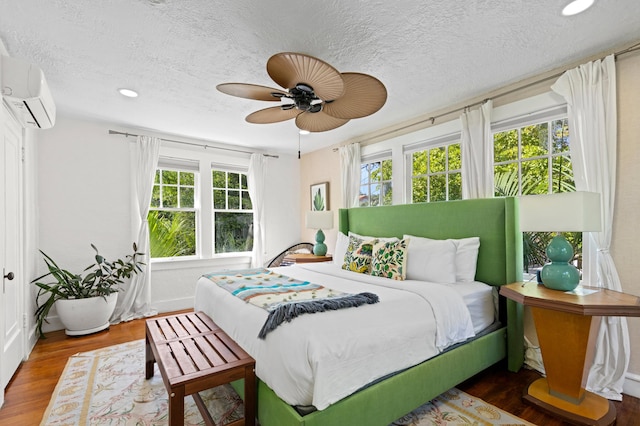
x=318 y=96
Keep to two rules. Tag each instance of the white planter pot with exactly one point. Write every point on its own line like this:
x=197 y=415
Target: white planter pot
x=86 y=316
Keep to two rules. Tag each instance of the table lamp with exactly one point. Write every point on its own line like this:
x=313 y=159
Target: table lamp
x=562 y=212
x=318 y=220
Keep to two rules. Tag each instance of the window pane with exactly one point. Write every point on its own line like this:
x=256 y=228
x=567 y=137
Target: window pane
x=233 y=232
x=387 y=197
x=437 y=160
x=535 y=140
x=562 y=174
x=437 y=188
x=187 y=178
x=170 y=196
x=219 y=199
x=244 y=182
x=156 y=178
x=233 y=199
x=375 y=172
x=455 y=186
x=219 y=179
x=169 y=177
x=419 y=190
x=419 y=163
x=186 y=197
x=364 y=196
x=560 y=134
x=172 y=234
x=535 y=178
x=375 y=195
x=505 y=180
x=454 y=157
x=155 y=196
x=233 y=179
x=246 y=201
x=505 y=146
x=387 y=169
x=364 y=174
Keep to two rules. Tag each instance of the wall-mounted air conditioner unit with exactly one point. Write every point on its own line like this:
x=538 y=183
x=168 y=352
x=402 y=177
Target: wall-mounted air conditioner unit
x=24 y=89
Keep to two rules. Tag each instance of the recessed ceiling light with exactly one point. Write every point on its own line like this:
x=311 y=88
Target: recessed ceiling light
x=304 y=132
x=576 y=6
x=128 y=93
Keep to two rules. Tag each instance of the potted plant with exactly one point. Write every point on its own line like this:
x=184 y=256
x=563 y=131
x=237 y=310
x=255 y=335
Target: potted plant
x=84 y=302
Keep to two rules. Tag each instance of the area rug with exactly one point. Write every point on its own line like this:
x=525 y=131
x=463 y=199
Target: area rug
x=107 y=387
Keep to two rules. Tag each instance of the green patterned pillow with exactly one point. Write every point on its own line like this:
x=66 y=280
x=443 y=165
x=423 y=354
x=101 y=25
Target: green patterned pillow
x=358 y=255
x=389 y=259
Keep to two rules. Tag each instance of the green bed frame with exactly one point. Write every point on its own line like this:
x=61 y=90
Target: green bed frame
x=499 y=262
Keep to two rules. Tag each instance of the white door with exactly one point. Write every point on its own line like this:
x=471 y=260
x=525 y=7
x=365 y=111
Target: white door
x=11 y=298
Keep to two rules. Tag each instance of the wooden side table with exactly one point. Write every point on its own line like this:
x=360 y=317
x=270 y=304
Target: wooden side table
x=293 y=258
x=567 y=325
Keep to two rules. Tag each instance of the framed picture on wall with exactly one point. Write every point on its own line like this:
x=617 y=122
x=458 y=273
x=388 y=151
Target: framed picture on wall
x=320 y=196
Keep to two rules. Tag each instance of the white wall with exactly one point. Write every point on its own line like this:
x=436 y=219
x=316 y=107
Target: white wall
x=84 y=196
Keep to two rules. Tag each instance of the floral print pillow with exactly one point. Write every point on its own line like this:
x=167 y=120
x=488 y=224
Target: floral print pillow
x=358 y=255
x=388 y=259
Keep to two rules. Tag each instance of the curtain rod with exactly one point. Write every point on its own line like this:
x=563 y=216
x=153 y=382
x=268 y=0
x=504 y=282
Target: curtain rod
x=205 y=146
x=499 y=95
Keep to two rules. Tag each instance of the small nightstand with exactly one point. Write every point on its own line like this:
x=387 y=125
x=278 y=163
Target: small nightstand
x=294 y=258
x=567 y=325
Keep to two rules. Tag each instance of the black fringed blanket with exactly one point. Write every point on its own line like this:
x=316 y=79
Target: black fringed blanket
x=283 y=297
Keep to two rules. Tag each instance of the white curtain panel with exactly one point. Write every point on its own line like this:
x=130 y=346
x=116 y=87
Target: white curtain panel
x=256 y=181
x=135 y=300
x=350 y=174
x=477 y=152
x=590 y=92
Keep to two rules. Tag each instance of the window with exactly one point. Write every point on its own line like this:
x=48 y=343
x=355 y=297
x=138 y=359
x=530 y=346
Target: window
x=232 y=212
x=375 y=183
x=534 y=159
x=173 y=214
x=436 y=174
x=199 y=209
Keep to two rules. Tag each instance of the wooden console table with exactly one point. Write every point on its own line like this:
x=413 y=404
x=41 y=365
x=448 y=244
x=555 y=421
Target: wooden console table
x=567 y=325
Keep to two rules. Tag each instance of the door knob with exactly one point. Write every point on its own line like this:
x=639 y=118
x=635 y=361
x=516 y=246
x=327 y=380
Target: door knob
x=9 y=276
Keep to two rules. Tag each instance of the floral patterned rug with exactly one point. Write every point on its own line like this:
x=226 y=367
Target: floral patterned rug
x=107 y=387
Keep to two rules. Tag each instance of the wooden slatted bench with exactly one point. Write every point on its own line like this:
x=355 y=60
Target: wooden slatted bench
x=194 y=354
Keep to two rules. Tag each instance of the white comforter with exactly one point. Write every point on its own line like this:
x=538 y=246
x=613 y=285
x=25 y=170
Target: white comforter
x=318 y=359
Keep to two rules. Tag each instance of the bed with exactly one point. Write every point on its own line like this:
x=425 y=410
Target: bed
x=411 y=381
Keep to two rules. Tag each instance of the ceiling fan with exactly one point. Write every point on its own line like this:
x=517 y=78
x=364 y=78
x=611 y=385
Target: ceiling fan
x=318 y=96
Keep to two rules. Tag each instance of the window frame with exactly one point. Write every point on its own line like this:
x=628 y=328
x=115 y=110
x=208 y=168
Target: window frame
x=228 y=169
x=435 y=143
x=203 y=161
x=378 y=158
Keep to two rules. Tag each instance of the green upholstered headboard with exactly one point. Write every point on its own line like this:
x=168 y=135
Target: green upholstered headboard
x=494 y=220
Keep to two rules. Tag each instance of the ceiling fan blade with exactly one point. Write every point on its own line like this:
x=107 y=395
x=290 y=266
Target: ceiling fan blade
x=288 y=69
x=272 y=115
x=363 y=95
x=318 y=121
x=251 y=91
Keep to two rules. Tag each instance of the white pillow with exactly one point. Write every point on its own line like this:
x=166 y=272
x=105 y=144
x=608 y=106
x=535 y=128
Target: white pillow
x=431 y=260
x=367 y=238
x=466 y=256
x=342 y=242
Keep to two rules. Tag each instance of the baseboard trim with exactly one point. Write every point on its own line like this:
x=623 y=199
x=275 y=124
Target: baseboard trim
x=631 y=385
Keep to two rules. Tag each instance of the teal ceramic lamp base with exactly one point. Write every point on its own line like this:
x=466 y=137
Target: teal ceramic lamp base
x=559 y=274
x=320 y=248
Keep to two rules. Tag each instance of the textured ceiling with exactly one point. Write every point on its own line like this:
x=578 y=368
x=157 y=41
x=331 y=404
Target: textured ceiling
x=429 y=54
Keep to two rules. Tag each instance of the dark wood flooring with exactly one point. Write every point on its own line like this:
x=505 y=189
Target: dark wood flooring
x=27 y=396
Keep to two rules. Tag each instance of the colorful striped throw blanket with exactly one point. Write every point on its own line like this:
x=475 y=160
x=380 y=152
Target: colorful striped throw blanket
x=283 y=297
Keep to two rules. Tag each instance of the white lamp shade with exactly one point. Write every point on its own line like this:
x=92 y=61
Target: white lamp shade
x=563 y=212
x=319 y=220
